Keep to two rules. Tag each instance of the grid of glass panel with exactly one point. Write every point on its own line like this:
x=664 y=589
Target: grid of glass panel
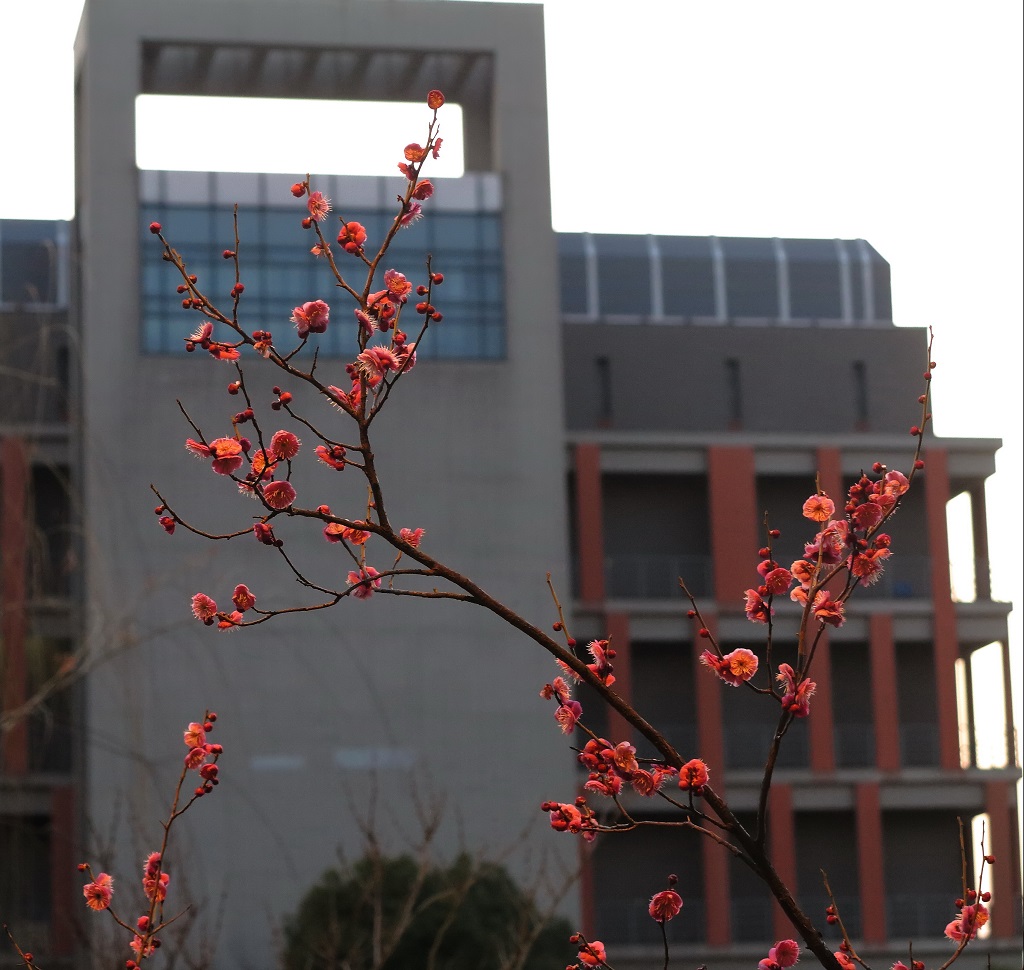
x=279 y=274
x=603 y=275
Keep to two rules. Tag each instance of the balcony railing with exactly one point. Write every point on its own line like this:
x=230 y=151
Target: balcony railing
x=905 y=577
x=35 y=365
x=626 y=920
x=682 y=735
x=855 y=745
x=916 y=915
x=746 y=746
x=656 y=576
x=751 y=918
x=919 y=745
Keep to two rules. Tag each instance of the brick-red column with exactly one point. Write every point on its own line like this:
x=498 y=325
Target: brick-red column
x=885 y=701
x=710 y=746
x=63 y=859
x=588 y=911
x=1001 y=882
x=589 y=523
x=782 y=846
x=830 y=475
x=715 y=860
x=821 y=724
x=732 y=498
x=870 y=868
x=14 y=485
x=830 y=478
x=944 y=628
x=708 y=703
x=617 y=631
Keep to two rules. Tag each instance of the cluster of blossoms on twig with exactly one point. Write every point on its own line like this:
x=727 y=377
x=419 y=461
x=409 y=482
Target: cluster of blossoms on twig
x=261 y=464
x=851 y=543
x=201 y=757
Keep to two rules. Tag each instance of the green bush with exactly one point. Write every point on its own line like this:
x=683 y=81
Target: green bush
x=394 y=914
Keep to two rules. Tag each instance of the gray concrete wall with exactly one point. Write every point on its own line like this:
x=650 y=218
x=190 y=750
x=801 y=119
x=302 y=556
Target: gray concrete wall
x=790 y=378
x=441 y=696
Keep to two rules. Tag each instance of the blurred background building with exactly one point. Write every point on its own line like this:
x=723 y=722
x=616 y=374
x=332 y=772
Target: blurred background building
x=618 y=409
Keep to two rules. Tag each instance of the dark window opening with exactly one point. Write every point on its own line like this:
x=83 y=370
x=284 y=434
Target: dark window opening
x=734 y=394
x=860 y=395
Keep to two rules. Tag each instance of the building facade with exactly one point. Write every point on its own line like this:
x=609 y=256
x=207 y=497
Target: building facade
x=691 y=384
x=40 y=623
x=710 y=383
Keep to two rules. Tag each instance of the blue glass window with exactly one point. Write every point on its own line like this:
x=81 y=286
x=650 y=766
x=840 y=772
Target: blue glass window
x=279 y=273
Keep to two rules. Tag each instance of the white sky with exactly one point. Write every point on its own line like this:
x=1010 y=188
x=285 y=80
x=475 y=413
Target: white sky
x=896 y=122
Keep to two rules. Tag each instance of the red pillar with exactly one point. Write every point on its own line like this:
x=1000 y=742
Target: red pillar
x=1001 y=883
x=588 y=912
x=617 y=631
x=715 y=860
x=732 y=500
x=782 y=848
x=944 y=627
x=883 y=693
x=63 y=859
x=708 y=703
x=821 y=726
x=589 y=523
x=870 y=867
x=830 y=474
x=14 y=486
x=830 y=479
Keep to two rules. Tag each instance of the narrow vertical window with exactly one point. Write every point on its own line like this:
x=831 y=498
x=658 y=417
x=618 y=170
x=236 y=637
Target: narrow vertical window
x=604 y=392
x=860 y=395
x=734 y=394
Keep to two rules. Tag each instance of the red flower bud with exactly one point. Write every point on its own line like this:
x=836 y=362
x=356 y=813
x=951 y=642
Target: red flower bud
x=155 y=227
x=299 y=190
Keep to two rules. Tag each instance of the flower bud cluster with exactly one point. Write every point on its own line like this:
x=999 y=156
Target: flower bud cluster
x=204 y=608
x=202 y=756
x=575 y=818
x=612 y=766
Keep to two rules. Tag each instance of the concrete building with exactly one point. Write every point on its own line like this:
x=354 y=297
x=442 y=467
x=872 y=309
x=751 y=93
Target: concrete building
x=707 y=382
x=692 y=382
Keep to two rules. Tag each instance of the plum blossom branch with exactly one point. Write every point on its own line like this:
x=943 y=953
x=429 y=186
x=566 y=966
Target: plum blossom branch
x=849 y=546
